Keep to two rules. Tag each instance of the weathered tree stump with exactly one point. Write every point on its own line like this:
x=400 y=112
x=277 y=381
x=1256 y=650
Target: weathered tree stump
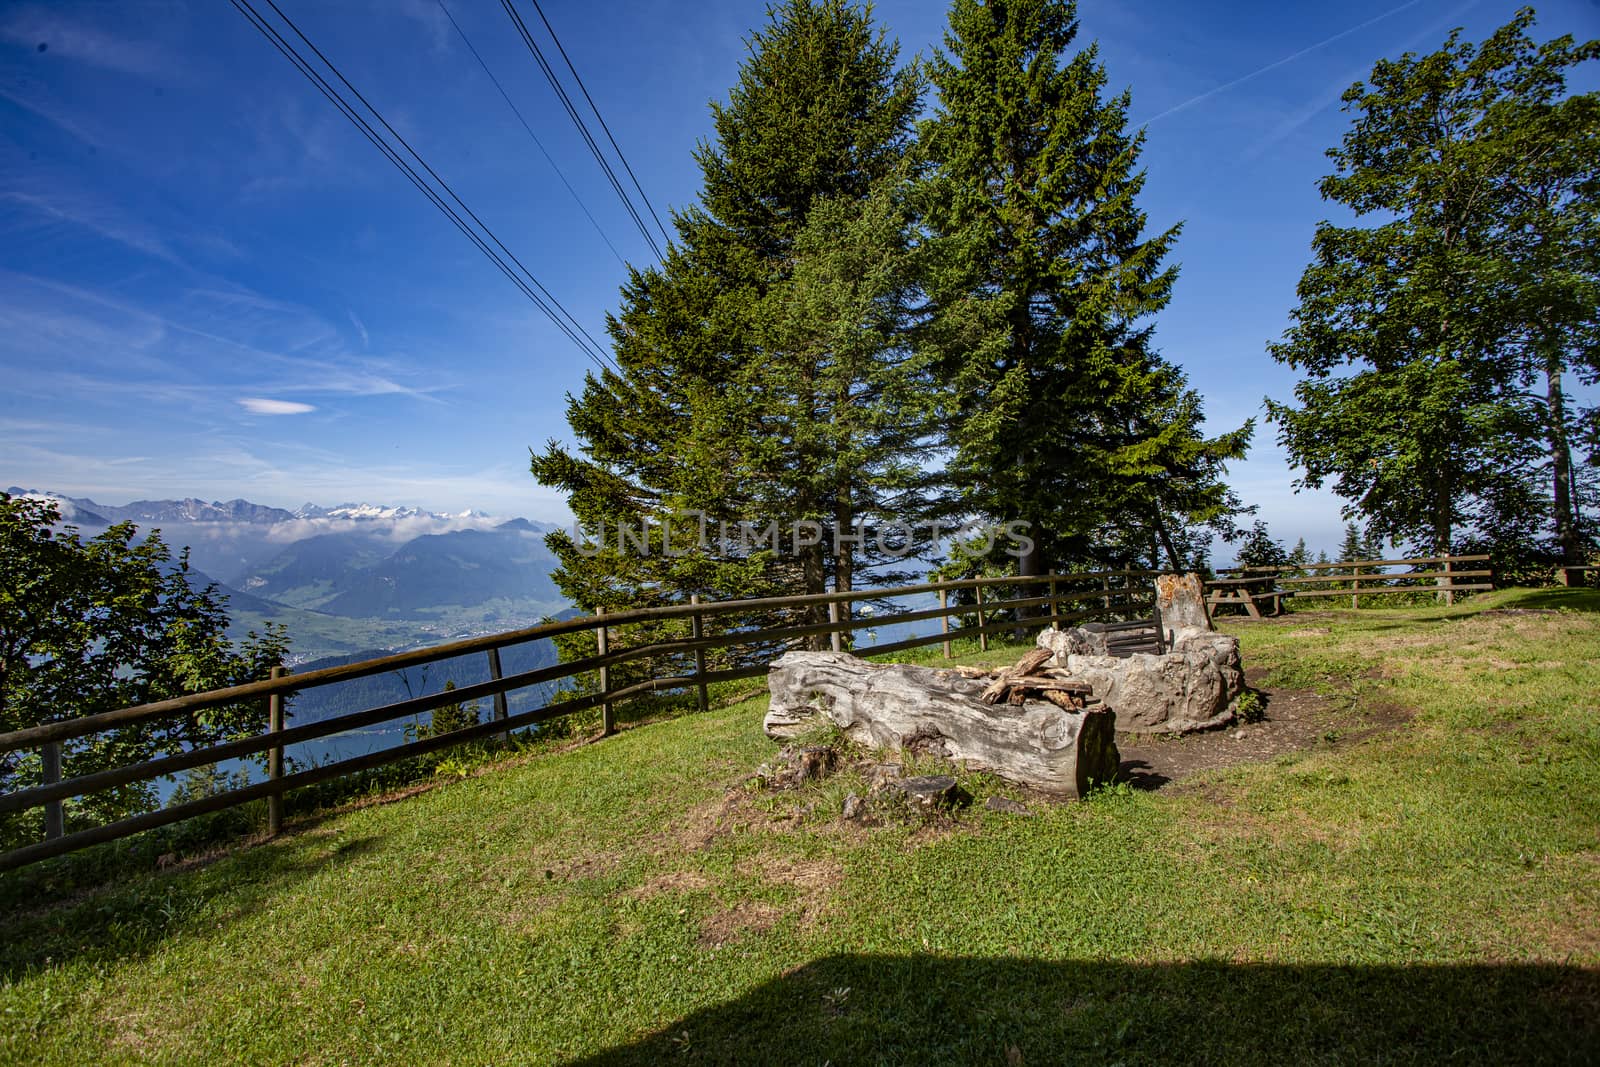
x=932 y=792
x=894 y=706
x=1181 y=607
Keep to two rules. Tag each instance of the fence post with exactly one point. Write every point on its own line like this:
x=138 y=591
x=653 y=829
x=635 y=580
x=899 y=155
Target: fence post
x=944 y=619
x=983 y=635
x=1355 y=589
x=55 y=812
x=500 y=710
x=835 y=639
x=1105 y=594
x=608 y=723
x=1055 y=608
x=1449 y=584
x=275 y=757
x=696 y=631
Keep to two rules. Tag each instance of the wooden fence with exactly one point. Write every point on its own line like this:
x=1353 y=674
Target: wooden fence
x=1355 y=579
x=1090 y=595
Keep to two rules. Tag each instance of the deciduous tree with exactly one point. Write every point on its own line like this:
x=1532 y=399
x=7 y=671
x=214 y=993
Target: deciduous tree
x=93 y=625
x=1436 y=336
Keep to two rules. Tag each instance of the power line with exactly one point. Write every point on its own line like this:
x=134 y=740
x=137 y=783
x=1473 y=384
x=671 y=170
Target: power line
x=535 y=137
x=541 y=297
x=616 y=147
x=596 y=347
x=583 y=128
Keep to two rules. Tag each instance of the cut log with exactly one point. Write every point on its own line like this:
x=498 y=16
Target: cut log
x=893 y=706
x=1065 y=701
x=1030 y=662
x=1050 y=683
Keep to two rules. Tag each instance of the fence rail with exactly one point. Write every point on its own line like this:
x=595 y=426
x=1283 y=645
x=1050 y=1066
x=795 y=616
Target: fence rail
x=1119 y=593
x=1358 y=578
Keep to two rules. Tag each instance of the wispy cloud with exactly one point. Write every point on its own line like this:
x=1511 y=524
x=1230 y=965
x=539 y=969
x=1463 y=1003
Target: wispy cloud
x=1334 y=91
x=1285 y=61
x=204 y=350
x=258 y=405
x=52 y=114
x=51 y=35
x=429 y=15
x=94 y=217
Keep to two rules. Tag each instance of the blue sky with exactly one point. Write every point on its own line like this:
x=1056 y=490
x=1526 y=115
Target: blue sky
x=211 y=285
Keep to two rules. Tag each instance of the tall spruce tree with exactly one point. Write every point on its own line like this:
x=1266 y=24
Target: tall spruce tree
x=764 y=378
x=1043 y=282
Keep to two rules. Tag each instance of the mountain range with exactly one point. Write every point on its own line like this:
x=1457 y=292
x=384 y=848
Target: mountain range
x=351 y=577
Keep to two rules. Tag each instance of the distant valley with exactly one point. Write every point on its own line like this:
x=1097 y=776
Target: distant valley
x=352 y=577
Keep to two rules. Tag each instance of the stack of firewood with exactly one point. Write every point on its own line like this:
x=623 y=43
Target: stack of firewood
x=1030 y=678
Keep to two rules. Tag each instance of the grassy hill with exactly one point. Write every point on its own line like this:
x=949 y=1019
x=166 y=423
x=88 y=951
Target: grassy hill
x=1419 y=883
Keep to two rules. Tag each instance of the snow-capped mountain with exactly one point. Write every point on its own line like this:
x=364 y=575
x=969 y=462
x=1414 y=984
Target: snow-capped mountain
x=368 y=512
x=348 y=575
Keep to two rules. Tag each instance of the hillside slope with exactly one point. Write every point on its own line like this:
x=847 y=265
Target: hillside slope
x=1419 y=892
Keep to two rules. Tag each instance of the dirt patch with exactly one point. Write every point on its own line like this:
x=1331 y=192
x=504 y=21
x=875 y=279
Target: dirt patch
x=1296 y=720
x=671 y=882
x=809 y=876
x=704 y=823
x=730 y=924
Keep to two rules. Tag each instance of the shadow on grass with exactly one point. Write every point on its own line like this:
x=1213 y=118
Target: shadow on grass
x=925 y=1010
x=1556 y=598
x=134 y=915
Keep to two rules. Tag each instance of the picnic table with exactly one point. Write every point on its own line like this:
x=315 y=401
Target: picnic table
x=1249 y=593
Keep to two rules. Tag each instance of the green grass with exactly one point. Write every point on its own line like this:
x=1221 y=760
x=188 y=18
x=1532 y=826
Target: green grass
x=1431 y=892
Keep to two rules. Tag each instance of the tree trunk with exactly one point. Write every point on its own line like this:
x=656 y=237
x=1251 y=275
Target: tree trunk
x=1029 y=565
x=1161 y=534
x=844 y=558
x=895 y=706
x=1443 y=517
x=1567 y=535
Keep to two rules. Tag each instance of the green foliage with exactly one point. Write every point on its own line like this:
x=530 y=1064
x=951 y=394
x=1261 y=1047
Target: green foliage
x=1249 y=707
x=765 y=371
x=1435 y=338
x=1298 y=557
x=1258 y=549
x=446 y=719
x=91 y=626
x=1043 y=282
x=207 y=780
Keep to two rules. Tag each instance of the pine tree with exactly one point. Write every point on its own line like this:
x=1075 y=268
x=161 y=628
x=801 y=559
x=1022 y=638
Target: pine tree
x=1354 y=547
x=1043 y=282
x=1260 y=550
x=1299 y=556
x=764 y=379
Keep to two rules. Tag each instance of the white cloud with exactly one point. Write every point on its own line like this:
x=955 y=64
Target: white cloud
x=50 y=34
x=262 y=406
x=361 y=328
x=1209 y=93
x=97 y=219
